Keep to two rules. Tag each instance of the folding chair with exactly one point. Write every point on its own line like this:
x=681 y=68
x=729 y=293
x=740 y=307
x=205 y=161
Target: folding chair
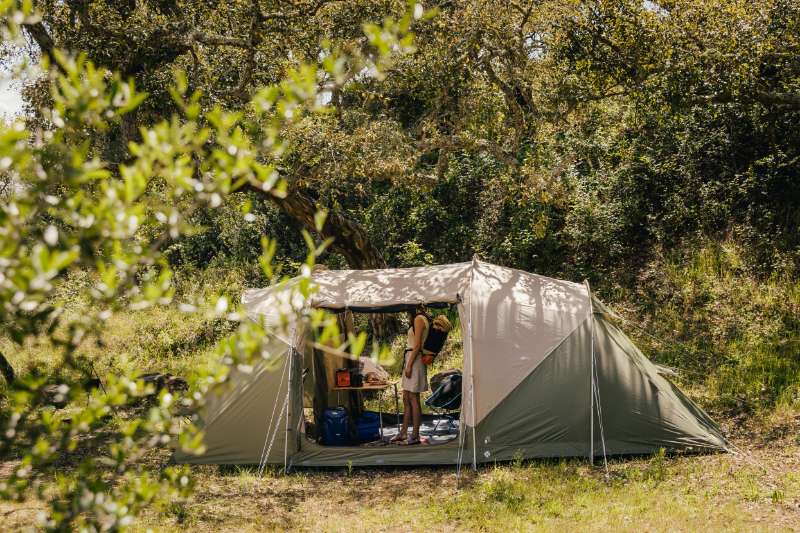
x=446 y=396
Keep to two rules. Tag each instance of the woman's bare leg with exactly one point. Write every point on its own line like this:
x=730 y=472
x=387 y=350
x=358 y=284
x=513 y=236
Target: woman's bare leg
x=407 y=414
x=416 y=410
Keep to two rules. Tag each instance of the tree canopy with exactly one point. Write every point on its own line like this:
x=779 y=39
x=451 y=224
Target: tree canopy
x=562 y=136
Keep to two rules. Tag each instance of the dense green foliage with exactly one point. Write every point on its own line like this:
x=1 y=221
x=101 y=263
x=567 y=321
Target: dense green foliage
x=570 y=138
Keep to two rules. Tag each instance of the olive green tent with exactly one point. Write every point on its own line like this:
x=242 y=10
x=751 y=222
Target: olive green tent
x=547 y=373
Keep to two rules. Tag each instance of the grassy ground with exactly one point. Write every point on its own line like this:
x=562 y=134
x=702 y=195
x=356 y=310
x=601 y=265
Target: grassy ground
x=655 y=494
x=759 y=491
x=160 y=340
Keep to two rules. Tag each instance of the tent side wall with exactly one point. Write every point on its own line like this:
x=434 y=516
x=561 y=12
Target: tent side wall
x=515 y=320
x=642 y=411
x=248 y=413
x=547 y=414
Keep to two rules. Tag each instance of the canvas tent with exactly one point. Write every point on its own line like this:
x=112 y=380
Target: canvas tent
x=547 y=373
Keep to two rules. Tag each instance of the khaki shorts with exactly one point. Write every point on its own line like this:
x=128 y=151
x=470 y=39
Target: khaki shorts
x=418 y=382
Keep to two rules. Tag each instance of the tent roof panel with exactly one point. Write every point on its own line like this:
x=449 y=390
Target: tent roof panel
x=337 y=289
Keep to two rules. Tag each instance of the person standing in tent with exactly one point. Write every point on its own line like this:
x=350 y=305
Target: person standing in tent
x=415 y=376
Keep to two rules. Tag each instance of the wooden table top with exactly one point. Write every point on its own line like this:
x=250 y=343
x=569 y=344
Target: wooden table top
x=366 y=387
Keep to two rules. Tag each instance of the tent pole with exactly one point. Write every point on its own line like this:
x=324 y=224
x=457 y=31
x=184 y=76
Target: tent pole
x=591 y=377
x=472 y=371
x=463 y=415
x=472 y=392
x=288 y=403
x=286 y=432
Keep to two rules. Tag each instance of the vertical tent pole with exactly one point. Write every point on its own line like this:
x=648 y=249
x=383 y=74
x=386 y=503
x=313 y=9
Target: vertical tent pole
x=472 y=370
x=288 y=402
x=591 y=378
x=463 y=414
x=289 y=399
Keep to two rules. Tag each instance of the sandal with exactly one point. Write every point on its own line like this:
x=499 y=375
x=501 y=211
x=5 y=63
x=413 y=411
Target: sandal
x=410 y=442
x=397 y=439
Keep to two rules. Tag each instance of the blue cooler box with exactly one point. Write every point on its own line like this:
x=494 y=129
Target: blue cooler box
x=368 y=427
x=335 y=427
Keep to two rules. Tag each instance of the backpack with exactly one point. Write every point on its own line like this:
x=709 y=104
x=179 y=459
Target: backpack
x=437 y=335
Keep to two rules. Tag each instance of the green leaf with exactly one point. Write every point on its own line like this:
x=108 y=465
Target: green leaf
x=357 y=343
x=319 y=218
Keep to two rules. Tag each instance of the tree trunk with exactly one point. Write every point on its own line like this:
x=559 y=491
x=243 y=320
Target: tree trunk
x=38 y=33
x=6 y=369
x=349 y=239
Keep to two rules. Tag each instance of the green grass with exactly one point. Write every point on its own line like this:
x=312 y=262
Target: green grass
x=160 y=339
x=733 y=336
x=715 y=493
x=760 y=492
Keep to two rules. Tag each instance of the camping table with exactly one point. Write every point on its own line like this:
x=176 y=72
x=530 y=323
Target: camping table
x=368 y=387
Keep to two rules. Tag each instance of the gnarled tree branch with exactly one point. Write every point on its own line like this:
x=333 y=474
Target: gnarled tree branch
x=41 y=37
x=349 y=237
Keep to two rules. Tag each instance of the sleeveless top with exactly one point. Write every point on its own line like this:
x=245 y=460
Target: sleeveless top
x=418 y=382
x=411 y=335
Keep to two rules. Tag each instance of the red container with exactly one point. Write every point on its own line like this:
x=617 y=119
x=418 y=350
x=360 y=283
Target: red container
x=342 y=377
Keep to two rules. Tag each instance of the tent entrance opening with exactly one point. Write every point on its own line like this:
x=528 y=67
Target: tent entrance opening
x=351 y=401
